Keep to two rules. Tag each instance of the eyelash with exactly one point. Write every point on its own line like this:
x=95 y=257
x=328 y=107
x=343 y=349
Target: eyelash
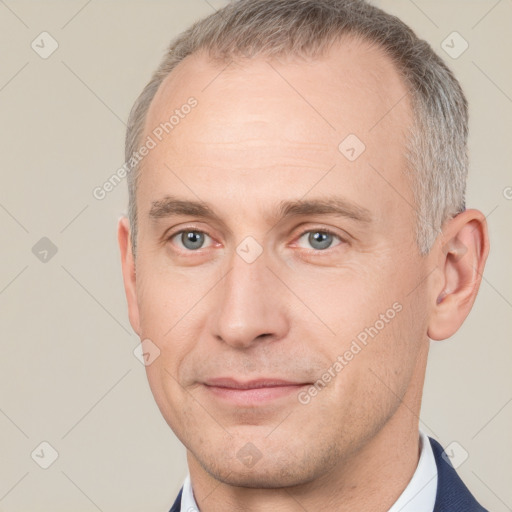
x=310 y=230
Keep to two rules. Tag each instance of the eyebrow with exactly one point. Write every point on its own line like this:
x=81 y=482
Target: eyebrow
x=171 y=205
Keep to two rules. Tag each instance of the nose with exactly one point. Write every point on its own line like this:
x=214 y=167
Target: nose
x=252 y=305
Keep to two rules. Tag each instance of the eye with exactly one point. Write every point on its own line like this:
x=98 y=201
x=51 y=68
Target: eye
x=190 y=239
x=319 y=239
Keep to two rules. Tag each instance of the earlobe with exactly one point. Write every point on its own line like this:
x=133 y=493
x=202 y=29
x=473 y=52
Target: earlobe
x=461 y=254
x=129 y=274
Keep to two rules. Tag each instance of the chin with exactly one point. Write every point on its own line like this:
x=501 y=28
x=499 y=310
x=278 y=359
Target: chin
x=274 y=470
x=263 y=478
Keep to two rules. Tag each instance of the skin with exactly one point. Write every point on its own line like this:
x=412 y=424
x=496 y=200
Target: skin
x=264 y=132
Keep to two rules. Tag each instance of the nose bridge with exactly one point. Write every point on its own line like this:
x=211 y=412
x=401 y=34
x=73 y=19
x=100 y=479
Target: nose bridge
x=248 y=302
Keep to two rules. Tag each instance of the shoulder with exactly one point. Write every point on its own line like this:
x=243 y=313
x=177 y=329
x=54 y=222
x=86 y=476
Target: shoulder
x=452 y=494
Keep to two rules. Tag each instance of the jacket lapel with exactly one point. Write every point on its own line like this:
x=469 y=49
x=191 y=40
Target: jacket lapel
x=452 y=494
x=176 y=507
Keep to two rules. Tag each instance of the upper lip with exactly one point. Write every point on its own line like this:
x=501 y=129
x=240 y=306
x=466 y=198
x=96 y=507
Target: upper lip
x=228 y=382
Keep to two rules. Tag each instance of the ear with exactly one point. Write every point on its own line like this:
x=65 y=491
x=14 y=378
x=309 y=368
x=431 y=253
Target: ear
x=462 y=252
x=128 y=267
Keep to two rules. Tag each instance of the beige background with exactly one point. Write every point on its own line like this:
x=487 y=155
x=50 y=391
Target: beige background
x=68 y=373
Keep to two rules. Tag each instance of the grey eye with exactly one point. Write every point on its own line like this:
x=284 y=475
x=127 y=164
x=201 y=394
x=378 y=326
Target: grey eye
x=192 y=240
x=319 y=240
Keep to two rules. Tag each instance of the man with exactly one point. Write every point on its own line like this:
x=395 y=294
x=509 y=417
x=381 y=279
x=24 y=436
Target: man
x=297 y=232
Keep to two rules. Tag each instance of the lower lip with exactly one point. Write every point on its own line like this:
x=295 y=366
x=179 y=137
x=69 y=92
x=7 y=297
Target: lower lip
x=254 y=396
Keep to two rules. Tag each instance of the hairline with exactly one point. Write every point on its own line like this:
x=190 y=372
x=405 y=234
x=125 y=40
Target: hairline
x=435 y=147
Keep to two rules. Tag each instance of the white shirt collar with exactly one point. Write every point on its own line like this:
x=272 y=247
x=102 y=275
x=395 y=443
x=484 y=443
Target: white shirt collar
x=188 y=503
x=418 y=496
x=420 y=493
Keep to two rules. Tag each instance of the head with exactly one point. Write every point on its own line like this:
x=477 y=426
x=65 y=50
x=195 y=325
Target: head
x=303 y=224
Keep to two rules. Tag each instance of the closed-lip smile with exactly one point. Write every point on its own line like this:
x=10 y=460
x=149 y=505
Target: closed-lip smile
x=251 y=393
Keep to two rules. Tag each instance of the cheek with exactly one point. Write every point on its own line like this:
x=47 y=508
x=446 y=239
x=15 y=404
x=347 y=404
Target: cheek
x=367 y=320
x=343 y=302
x=167 y=327
x=167 y=394
x=165 y=297
x=372 y=373
x=153 y=300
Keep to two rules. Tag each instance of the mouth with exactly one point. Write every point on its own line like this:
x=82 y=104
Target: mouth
x=251 y=393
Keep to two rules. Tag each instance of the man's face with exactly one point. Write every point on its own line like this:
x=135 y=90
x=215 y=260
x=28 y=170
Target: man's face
x=250 y=307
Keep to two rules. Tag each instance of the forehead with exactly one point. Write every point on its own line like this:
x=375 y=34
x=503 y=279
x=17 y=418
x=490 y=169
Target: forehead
x=353 y=85
x=284 y=114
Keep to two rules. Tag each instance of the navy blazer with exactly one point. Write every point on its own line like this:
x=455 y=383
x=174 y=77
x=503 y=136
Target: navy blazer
x=452 y=495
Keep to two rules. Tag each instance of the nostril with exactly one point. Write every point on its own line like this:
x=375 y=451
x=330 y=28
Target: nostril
x=264 y=335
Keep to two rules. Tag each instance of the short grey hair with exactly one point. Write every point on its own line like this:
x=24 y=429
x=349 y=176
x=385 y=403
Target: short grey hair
x=436 y=148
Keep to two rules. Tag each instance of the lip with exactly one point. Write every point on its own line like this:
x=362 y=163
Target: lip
x=251 y=393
